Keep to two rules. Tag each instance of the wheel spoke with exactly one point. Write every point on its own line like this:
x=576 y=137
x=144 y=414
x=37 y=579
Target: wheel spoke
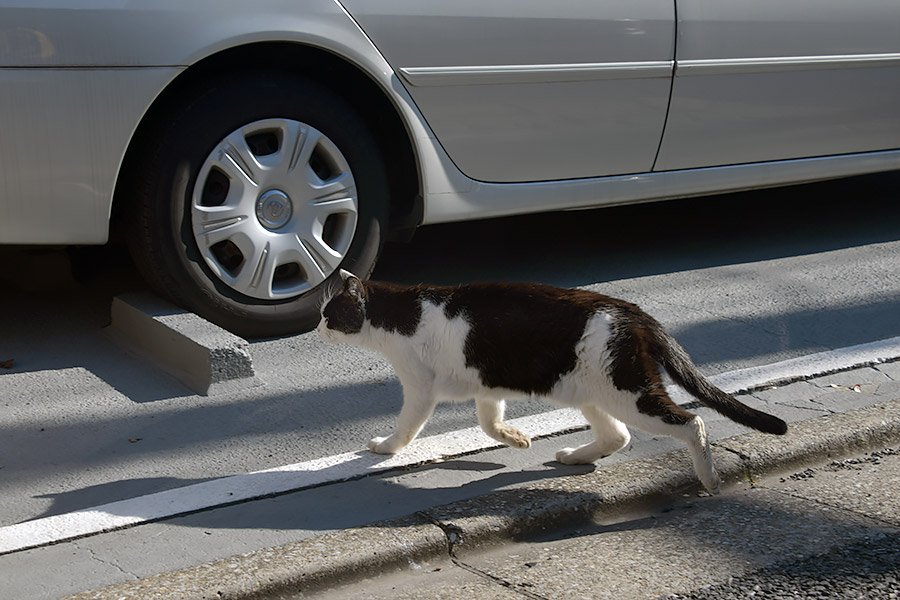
x=312 y=264
x=336 y=189
x=297 y=148
x=320 y=211
x=215 y=224
x=257 y=271
x=317 y=263
x=325 y=257
x=294 y=136
x=299 y=174
x=234 y=156
x=214 y=232
x=306 y=144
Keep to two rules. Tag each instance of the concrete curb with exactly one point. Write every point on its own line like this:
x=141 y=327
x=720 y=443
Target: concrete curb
x=352 y=554
x=311 y=564
x=203 y=356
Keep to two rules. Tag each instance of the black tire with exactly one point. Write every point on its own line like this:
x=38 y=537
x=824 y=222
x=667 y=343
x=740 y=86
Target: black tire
x=161 y=237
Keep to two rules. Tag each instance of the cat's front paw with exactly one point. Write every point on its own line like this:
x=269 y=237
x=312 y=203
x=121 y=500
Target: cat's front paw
x=383 y=445
x=515 y=438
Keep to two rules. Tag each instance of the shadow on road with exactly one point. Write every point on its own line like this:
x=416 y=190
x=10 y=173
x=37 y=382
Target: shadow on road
x=585 y=247
x=338 y=504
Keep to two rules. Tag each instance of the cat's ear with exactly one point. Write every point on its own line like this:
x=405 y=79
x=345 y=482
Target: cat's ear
x=345 y=275
x=353 y=285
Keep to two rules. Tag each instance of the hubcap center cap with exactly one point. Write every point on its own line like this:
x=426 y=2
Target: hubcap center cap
x=274 y=209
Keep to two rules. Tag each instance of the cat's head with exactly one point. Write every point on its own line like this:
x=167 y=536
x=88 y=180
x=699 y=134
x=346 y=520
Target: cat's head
x=344 y=312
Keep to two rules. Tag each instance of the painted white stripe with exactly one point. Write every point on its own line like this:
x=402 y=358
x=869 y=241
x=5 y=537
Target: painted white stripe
x=350 y=465
x=812 y=365
x=800 y=368
x=238 y=488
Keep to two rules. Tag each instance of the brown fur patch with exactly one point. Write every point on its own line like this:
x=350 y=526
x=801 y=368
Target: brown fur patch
x=522 y=336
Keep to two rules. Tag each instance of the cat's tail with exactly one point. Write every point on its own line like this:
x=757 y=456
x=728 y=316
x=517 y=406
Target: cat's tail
x=681 y=369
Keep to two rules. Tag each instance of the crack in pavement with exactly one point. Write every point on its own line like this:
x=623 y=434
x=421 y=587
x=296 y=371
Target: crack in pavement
x=454 y=536
x=877 y=367
x=498 y=580
x=770 y=402
x=745 y=461
x=95 y=557
x=823 y=408
x=452 y=533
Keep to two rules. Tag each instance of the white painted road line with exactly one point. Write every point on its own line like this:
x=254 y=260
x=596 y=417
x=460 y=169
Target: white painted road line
x=259 y=484
x=812 y=365
x=351 y=465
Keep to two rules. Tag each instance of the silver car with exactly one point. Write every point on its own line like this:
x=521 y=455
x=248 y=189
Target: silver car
x=248 y=150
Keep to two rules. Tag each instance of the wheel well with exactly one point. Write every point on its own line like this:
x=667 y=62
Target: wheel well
x=350 y=82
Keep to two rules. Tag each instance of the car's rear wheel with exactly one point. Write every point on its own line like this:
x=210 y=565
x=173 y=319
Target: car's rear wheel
x=255 y=193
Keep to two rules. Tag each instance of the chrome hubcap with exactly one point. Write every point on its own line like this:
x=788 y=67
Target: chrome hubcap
x=274 y=209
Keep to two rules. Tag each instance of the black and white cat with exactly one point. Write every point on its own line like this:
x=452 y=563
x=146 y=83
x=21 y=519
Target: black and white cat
x=493 y=341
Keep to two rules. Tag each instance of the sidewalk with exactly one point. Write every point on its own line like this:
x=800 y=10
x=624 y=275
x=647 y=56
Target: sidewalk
x=475 y=546
x=829 y=531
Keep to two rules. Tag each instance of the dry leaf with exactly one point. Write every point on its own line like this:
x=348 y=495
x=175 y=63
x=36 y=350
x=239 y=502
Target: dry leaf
x=134 y=440
x=855 y=388
x=7 y=364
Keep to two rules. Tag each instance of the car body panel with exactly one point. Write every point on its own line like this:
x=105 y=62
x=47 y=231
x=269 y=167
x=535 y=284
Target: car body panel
x=774 y=80
x=74 y=84
x=109 y=33
x=468 y=199
x=59 y=160
x=532 y=91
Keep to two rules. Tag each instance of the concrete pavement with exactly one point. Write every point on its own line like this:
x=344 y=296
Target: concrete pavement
x=482 y=546
x=831 y=530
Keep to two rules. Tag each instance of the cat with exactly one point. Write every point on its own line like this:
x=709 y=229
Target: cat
x=494 y=341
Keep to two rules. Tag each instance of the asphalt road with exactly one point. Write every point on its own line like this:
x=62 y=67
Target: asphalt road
x=741 y=280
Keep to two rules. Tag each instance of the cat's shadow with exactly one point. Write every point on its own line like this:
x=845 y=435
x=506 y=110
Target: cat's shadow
x=339 y=505
x=384 y=496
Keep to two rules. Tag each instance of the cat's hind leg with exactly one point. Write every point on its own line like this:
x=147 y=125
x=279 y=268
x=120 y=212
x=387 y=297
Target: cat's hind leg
x=490 y=417
x=610 y=433
x=418 y=405
x=655 y=413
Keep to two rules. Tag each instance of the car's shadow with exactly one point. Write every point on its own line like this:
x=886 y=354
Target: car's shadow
x=586 y=247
